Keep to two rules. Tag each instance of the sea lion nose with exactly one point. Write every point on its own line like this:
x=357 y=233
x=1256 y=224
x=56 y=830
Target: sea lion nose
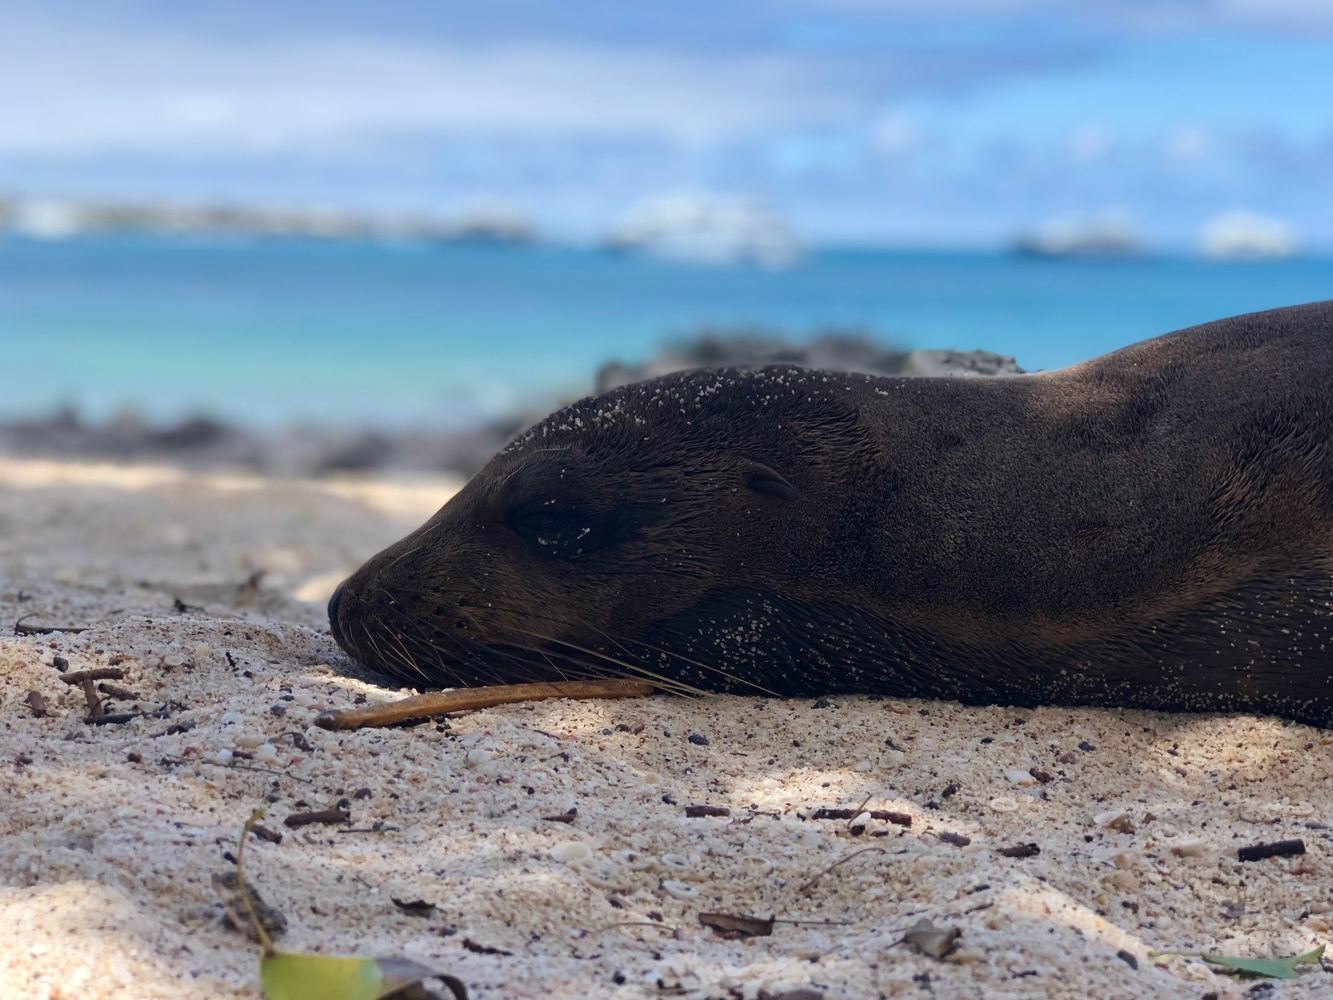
x=334 y=601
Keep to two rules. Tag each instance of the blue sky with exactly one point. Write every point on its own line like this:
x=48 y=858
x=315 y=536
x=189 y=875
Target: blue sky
x=952 y=122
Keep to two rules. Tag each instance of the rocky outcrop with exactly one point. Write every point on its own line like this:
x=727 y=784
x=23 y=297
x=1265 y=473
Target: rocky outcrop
x=203 y=442
x=835 y=351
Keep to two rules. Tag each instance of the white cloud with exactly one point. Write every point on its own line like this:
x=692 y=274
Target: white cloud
x=896 y=134
x=1089 y=143
x=1188 y=144
x=1152 y=15
x=175 y=94
x=1279 y=13
x=1240 y=233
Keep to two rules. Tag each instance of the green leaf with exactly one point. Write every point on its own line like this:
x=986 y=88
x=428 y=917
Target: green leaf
x=1268 y=968
x=289 y=975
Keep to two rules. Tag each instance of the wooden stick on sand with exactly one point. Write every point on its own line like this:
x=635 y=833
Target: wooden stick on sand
x=422 y=706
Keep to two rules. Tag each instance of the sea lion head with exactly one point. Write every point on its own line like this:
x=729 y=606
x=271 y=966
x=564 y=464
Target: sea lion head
x=637 y=533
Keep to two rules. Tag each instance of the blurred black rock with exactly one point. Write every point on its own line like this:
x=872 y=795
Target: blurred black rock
x=833 y=351
x=203 y=442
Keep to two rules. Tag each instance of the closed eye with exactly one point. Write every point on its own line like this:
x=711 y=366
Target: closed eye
x=556 y=531
x=543 y=521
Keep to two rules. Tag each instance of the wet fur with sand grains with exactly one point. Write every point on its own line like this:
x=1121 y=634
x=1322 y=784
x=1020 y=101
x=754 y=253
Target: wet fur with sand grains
x=1152 y=528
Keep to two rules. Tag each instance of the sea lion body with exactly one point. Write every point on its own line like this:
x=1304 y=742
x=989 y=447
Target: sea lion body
x=1152 y=528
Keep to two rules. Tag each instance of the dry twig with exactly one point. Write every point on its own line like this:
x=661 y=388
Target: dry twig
x=423 y=706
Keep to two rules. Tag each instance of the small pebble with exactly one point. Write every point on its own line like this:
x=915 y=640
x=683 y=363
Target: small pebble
x=1020 y=777
x=267 y=753
x=247 y=740
x=698 y=739
x=223 y=757
x=679 y=889
x=478 y=757
x=1191 y=848
x=173 y=660
x=1124 y=881
x=573 y=850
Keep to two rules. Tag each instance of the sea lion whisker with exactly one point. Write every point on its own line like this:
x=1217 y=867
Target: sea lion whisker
x=621 y=641
x=744 y=681
x=405 y=655
x=371 y=639
x=400 y=653
x=477 y=654
x=511 y=653
x=469 y=653
x=598 y=666
x=397 y=640
x=677 y=685
x=383 y=657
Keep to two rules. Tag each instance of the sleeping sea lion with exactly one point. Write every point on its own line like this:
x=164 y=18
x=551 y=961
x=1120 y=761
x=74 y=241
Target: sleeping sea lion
x=1152 y=528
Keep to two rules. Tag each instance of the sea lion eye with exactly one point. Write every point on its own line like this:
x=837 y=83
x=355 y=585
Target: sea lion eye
x=548 y=521
x=554 y=530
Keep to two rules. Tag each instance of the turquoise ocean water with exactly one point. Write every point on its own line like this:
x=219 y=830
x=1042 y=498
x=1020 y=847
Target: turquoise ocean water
x=285 y=330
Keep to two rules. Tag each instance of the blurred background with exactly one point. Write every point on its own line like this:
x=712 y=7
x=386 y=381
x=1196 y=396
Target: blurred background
x=337 y=235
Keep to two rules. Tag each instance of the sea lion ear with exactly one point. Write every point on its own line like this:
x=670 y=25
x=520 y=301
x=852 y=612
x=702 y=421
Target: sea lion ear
x=763 y=479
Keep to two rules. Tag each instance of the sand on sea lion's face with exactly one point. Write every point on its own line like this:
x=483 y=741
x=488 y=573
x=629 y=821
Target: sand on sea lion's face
x=109 y=835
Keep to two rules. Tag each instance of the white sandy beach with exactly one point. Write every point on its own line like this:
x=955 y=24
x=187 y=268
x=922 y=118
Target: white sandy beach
x=208 y=591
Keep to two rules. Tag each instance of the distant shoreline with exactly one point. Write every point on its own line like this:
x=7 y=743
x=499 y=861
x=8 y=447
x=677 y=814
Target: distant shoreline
x=426 y=238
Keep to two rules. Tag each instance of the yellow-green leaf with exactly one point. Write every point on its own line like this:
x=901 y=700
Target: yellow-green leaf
x=1269 y=968
x=288 y=975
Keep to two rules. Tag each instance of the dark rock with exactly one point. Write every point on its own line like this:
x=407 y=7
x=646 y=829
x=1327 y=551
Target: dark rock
x=201 y=441
x=841 y=351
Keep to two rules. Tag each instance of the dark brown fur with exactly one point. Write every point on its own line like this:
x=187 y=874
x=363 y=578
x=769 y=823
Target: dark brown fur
x=1152 y=528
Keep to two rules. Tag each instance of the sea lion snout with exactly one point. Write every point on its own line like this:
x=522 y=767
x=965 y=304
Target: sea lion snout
x=334 y=627
x=555 y=562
